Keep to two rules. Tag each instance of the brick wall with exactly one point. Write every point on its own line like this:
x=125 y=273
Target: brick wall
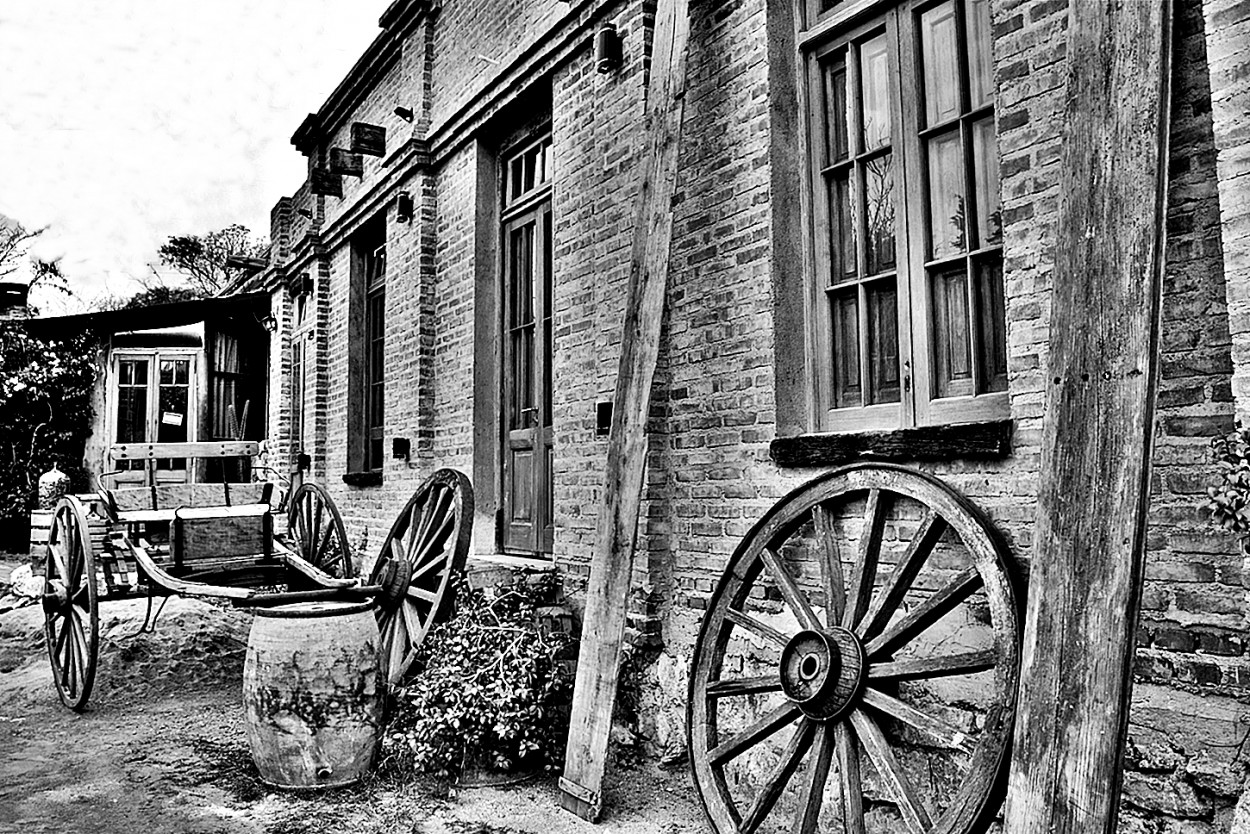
x=714 y=409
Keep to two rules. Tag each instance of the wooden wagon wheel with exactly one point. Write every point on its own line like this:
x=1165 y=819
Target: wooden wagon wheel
x=317 y=531
x=70 y=608
x=426 y=545
x=870 y=610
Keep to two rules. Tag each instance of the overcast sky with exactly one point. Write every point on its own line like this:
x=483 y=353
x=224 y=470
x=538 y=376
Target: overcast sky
x=125 y=121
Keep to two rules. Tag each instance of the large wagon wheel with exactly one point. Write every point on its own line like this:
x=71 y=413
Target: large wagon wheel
x=870 y=611
x=317 y=532
x=428 y=542
x=70 y=608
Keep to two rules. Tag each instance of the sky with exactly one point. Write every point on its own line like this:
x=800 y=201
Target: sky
x=123 y=122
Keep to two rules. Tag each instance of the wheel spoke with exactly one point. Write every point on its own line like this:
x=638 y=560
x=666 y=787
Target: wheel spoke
x=789 y=590
x=62 y=634
x=324 y=546
x=399 y=648
x=412 y=620
x=943 y=731
x=768 y=796
x=398 y=550
x=427 y=546
x=850 y=779
x=814 y=785
x=76 y=566
x=60 y=555
x=416 y=529
x=414 y=592
x=757 y=732
x=891 y=773
x=896 y=587
x=743 y=686
x=943 y=601
x=865 y=570
x=426 y=568
x=934 y=667
x=751 y=624
x=830 y=565
x=316 y=527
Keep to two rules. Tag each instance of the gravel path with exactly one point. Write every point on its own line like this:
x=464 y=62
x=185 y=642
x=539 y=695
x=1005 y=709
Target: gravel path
x=162 y=749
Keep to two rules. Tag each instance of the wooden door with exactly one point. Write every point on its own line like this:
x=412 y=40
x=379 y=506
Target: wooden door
x=527 y=449
x=153 y=402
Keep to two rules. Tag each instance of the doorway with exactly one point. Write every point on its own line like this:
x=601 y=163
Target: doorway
x=527 y=328
x=153 y=395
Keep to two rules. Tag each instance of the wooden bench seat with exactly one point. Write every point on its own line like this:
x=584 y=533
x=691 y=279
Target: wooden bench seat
x=158 y=503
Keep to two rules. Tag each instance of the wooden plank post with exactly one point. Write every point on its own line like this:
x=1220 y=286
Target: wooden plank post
x=607 y=594
x=1085 y=581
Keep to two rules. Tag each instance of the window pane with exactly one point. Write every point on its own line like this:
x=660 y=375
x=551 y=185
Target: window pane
x=946 y=195
x=844 y=311
x=939 y=47
x=980 y=55
x=841 y=229
x=883 y=342
x=952 y=364
x=879 y=213
x=835 y=112
x=985 y=159
x=992 y=325
x=875 y=93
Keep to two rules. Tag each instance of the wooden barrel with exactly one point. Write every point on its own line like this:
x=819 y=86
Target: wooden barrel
x=40 y=526
x=311 y=693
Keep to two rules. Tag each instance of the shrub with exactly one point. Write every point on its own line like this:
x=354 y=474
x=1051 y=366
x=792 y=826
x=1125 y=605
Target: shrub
x=45 y=411
x=489 y=685
x=1230 y=501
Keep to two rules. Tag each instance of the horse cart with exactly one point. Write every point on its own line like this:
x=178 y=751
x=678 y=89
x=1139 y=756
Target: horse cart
x=226 y=540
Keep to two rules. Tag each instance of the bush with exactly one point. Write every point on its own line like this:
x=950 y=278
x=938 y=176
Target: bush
x=1229 y=501
x=489 y=685
x=45 y=412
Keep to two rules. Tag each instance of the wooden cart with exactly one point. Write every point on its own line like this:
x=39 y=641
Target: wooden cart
x=224 y=540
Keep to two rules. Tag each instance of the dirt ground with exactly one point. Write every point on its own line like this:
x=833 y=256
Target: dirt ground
x=162 y=749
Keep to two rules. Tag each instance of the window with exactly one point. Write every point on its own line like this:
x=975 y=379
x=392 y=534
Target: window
x=906 y=305
x=375 y=355
x=301 y=335
x=152 y=395
x=366 y=419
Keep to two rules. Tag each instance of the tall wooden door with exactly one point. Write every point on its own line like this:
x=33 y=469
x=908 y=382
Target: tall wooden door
x=527 y=455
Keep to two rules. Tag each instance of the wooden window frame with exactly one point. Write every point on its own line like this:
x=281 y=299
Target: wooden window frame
x=367 y=308
x=374 y=425
x=301 y=337
x=841 y=29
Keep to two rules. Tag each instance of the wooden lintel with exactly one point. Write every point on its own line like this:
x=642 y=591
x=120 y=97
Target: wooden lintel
x=368 y=139
x=1086 y=572
x=347 y=163
x=603 y=624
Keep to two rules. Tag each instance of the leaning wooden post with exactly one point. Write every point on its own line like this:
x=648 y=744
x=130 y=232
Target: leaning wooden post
x=1085 y=582
x=611 y=569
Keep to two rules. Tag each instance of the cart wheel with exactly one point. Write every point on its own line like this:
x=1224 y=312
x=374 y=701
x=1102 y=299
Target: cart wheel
x=871 y=612
x=71 y=615
x=427 y=544
x=317 y=531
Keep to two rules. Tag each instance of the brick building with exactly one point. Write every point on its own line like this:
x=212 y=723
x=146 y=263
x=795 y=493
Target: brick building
x=450 y=285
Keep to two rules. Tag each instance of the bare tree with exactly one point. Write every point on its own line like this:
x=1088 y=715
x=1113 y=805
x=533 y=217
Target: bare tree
x=201 y=259
x=15 y=240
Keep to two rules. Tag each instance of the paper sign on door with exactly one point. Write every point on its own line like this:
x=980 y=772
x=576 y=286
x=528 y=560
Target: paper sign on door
x=171 y=418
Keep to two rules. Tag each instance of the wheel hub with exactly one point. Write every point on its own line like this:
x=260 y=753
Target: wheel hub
x=55 y=598
x=822 y=672
x=396 y=574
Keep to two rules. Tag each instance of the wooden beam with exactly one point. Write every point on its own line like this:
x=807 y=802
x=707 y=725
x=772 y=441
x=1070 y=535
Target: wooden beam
x=1085 y=581
x=603 y=624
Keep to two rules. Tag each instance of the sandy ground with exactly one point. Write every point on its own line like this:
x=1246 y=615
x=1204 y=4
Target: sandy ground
x=162 y=749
